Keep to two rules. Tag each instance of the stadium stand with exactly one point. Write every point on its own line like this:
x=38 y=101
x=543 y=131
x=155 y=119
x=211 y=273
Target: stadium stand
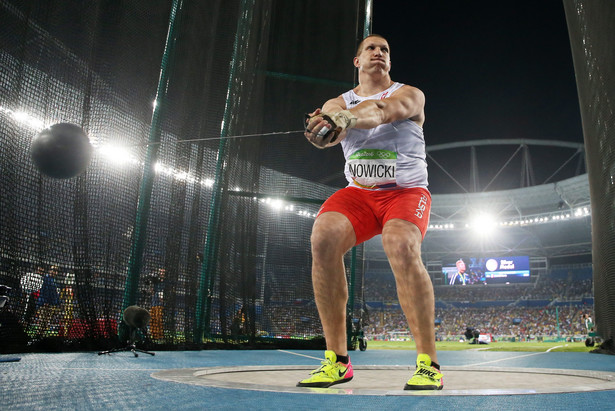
x=548 y=309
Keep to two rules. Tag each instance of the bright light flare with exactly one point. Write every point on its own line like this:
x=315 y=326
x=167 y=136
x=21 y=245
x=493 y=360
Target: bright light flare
x=117 y=155
x=24 y=118
x=275 y=203
x=483 y=223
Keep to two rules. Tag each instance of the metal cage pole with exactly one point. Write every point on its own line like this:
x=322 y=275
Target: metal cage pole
x=212 y=236
x=366 y=29
x=135 y=262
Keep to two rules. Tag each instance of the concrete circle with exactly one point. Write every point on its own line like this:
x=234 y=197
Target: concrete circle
x=390 y=380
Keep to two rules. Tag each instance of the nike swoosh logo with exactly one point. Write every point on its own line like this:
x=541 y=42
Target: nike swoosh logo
x=341 y=374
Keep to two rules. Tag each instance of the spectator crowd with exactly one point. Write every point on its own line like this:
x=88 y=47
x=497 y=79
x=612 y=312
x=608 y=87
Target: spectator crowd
x=558 y=315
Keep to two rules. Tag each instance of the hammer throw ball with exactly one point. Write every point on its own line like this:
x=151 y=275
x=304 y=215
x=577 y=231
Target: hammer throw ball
x=61 y=151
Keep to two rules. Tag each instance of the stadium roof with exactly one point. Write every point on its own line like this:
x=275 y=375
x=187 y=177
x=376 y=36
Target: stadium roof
x=552 y=219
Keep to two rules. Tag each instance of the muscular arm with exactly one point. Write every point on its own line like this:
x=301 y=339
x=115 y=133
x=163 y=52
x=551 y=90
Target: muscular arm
x=406 y=103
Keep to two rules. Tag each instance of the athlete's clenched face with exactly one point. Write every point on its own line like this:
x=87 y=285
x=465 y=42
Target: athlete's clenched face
x=373 y=55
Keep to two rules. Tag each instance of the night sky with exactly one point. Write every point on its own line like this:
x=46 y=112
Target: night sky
x=489 y=70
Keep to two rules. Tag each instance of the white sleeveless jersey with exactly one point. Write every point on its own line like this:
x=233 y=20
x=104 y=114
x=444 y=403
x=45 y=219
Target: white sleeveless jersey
x=390 y=156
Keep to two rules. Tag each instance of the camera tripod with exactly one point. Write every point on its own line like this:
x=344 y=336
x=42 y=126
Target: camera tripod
x=132 y=345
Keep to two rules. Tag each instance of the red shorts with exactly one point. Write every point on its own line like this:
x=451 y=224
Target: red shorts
x=369 y=210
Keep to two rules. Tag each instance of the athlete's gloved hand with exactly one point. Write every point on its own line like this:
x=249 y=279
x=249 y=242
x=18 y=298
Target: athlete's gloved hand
x=341 y=120
x=323 y=128
x=317 y=131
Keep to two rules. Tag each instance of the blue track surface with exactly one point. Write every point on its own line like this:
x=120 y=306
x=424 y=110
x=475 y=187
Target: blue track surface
x=84 y=381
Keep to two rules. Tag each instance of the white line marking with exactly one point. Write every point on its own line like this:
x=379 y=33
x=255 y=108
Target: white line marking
x=300 y=355
x=503 y=359
x=552 y=348
x=109 y=369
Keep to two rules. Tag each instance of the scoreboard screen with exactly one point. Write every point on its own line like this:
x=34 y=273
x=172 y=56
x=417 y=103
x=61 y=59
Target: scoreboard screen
x=487 y=270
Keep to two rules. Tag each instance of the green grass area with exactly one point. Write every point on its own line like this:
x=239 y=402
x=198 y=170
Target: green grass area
x=496 y=346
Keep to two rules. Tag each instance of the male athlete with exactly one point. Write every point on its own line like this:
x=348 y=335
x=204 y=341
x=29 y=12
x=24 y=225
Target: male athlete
x=379 y=125
x=460 y=277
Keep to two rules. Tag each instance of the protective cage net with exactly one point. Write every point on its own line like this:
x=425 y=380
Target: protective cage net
x=590 y=24
x=211 y=237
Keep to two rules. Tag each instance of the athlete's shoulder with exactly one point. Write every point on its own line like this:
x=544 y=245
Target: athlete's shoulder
x=349 y=98
x=408 y=89
x=335 y=104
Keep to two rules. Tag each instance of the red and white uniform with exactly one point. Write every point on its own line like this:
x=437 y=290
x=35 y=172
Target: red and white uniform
x=389 y=156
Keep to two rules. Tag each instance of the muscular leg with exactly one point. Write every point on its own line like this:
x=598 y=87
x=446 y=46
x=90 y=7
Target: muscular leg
x=332 y=237
x=402 y=245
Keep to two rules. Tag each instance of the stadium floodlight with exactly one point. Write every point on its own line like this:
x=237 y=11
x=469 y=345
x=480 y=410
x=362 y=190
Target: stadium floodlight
x=24 y=118
x=275 y=203
x=162 y=169
x=28 y=120
x=581 y=212
x=184 y=176
x=307 y=214
x=483 y=223
x=117 y=154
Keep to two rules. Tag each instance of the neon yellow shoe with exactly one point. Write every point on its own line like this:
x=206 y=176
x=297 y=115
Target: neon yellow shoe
x=425 y=377
x=329 y=373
